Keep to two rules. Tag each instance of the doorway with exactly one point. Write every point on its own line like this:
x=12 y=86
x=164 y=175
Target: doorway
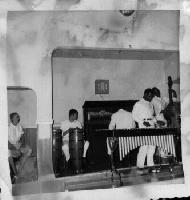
x=23 y=100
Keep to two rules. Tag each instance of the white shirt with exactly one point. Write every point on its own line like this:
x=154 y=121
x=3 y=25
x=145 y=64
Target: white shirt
x=14 y=134
x=66 y=125
x=159 y=105
x=121 y=120
x=143 y=111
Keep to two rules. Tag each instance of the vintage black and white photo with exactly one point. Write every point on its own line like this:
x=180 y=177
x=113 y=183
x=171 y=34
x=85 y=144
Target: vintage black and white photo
x=106 y=112
x=93 y=101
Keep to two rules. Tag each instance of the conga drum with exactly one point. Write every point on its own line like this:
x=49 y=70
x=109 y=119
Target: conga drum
x=76 y=147
x=57 y=150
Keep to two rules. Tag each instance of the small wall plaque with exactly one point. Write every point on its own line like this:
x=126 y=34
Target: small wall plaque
x=101 y=86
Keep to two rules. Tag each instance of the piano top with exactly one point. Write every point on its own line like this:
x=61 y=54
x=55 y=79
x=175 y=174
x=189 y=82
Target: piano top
x=108 y=107
x=118 y=103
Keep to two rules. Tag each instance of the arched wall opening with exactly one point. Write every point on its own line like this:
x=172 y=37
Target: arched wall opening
x=128 y=71
x=23 y=101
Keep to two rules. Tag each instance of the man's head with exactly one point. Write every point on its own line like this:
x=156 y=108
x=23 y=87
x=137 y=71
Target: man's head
x=156 y=92
x=15 y=118
x=73 y=115
x=148 y=95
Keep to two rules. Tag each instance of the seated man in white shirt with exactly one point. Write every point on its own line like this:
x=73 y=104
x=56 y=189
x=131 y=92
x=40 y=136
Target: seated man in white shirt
x=143 y=114
x=122 y=119
x=66 y=125
x=16 y=144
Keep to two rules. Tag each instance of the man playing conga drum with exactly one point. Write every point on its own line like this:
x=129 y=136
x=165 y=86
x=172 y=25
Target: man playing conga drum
x=66 y=125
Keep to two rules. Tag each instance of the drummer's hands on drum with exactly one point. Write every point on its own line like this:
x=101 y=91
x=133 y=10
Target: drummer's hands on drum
x=162 y=111
x=66 y=132
x=80 y=129
x=70 y=130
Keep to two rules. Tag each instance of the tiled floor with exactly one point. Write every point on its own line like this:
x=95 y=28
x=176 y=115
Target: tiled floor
x=101 y=180
x=29 y=172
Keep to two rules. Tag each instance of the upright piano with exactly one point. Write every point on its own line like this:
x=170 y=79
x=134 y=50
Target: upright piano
x=97 y=115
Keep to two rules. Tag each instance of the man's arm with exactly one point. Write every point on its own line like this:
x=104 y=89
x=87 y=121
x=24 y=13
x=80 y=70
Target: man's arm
x=11 y=141
x=22 y=139
x=133 y=124
x=78 y=125
x=136 y=113
x=65 y=128
x=65 y=132
x=112 y=123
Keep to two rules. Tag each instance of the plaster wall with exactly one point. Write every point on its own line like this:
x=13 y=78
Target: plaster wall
x=151 y=192
x=172 y=69
x=32 y=36
x=23 y=102
x=74 y=81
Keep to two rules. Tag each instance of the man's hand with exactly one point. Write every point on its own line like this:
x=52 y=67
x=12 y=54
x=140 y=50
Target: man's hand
x=66 y=132
x=11 y=146
x=22 y=140
x=147 y=124
x=162 y=111
x=16 y=153
x=160 y=123
x=19 y=144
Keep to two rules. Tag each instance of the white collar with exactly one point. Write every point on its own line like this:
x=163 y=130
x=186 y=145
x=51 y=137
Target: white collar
x=142 y=99
x=157 y=97
x=11 y=124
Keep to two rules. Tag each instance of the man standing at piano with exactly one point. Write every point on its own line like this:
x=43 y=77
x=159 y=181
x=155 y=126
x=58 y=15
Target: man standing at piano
x=121 y=119
x=159 y=106
x=143 y=114
x=66 y=125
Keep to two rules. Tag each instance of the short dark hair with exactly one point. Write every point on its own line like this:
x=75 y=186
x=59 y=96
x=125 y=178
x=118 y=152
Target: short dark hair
x=147 y=91
x=72 y=112
x=12 y=115
x=156 y=91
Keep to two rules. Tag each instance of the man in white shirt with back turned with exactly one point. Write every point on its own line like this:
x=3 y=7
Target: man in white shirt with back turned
x=143 y=114
x=159 y=106
x=122 y=119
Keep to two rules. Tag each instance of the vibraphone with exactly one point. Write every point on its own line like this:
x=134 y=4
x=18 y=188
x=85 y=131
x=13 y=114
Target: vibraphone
x=130 y=139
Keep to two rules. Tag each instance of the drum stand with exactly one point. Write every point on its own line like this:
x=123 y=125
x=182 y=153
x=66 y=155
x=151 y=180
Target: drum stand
x=113 y=142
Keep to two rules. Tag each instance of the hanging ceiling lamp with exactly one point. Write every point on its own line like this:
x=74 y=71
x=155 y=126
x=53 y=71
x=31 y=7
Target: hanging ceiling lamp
x=127 y=13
